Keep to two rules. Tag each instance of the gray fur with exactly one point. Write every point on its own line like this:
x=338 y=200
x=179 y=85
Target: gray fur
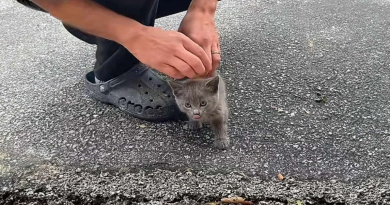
x=213 y=92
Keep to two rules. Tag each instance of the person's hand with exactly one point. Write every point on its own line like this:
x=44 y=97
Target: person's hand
x=200 y=27
x=169 y=52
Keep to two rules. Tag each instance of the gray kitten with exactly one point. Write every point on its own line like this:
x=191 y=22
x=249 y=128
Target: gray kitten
x=204 y=100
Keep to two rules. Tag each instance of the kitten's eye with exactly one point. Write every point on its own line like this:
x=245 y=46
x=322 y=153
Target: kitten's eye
x=187 y=105
x=203 y=103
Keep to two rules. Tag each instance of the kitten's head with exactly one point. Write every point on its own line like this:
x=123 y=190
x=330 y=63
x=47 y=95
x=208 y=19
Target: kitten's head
x=196 y=98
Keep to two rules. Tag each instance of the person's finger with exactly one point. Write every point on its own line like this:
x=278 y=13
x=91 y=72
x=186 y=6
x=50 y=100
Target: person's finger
x=210 y=56
x=183 y=67
x=198 y=51
x=193 y=61
x=171 y=71
x=216 y=57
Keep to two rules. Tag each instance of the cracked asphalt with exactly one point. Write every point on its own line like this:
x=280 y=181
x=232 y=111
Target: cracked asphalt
x=308 y=90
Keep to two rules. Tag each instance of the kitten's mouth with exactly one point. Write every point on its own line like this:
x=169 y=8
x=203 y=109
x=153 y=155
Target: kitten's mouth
x=196 y=117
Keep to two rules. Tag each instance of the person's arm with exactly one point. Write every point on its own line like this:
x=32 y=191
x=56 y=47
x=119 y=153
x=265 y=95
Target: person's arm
x=92 y=18
x=169 y=52
x=199 y=25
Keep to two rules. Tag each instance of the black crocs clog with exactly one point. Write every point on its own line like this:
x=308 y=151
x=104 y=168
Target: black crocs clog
x=139 y=92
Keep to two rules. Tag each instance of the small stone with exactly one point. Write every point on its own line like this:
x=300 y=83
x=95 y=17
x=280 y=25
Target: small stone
x=280 y=177
x=78 y=170
x=258 y=111
x=23 y=183
x=294 y=191
x=123 y=170
x=142 y=126
x=307 y=112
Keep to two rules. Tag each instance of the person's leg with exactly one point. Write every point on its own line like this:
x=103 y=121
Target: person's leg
x=113 y=59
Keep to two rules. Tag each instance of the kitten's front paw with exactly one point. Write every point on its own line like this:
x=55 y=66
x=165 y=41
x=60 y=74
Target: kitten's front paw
x=194 y=125
x=222 y=143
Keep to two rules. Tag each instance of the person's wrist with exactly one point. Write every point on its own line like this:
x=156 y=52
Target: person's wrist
x=205 y=7
x=129 y=32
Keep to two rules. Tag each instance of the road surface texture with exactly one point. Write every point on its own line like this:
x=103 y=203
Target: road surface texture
x=309 y=95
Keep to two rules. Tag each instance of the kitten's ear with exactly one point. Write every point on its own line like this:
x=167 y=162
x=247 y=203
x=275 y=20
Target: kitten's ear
x=213 y=84
x=176 y=87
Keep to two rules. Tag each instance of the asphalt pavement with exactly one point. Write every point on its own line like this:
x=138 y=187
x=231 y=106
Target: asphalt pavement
x=308 y=90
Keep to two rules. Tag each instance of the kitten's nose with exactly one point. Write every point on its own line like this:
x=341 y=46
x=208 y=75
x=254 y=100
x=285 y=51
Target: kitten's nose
x=196 y=112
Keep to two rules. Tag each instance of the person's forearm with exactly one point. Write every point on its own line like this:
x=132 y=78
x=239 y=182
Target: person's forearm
x=205 y=6
x=92 y=18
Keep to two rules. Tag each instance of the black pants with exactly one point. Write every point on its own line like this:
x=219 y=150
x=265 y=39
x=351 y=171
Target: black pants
x=112 y=59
